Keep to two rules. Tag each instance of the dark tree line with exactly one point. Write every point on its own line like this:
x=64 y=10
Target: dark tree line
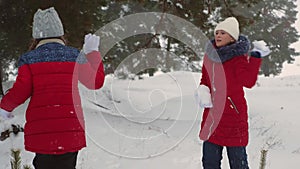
x=270 y=20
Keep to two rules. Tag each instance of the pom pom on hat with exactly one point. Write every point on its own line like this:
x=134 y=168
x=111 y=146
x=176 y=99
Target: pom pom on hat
x=47 y=24
x=231 y=26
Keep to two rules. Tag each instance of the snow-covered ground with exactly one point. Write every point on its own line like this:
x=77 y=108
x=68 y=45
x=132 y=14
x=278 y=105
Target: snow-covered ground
x=154 y=123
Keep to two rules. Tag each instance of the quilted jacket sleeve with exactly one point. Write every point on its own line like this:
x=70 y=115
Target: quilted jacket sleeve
x=21 y=90
x=247 y=70
x=91 y=74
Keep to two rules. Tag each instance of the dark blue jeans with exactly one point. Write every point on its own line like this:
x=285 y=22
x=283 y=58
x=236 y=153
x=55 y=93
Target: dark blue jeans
x=212 y=156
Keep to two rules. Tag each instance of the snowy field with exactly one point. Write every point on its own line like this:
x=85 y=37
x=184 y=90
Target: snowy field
x=154 y=123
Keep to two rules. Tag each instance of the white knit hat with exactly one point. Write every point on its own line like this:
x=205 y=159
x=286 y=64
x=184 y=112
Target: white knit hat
x=47 y=24
x=231 y=26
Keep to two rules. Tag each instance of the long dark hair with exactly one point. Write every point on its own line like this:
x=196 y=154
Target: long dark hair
x=35 y=42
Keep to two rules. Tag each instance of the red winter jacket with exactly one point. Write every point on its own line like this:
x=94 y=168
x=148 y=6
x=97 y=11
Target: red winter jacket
x=226 y=124
x=49 y=76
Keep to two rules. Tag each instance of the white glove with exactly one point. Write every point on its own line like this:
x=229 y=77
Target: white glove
x=5 y=114
x=261 y=47
x=203 y=97
x=91 y=43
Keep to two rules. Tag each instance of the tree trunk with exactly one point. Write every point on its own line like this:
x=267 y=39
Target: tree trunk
x=1 y=79
x=168 y=58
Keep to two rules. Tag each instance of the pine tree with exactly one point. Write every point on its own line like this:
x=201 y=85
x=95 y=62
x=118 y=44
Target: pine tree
x=269 y=20
x=263 y=159
x=16 y=160
x=27 y=167
x=274 y=23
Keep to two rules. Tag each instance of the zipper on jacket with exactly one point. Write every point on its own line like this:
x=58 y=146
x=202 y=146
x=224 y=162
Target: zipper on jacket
x=233 y=106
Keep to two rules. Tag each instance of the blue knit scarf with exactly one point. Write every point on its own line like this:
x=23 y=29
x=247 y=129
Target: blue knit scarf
x=225 y=53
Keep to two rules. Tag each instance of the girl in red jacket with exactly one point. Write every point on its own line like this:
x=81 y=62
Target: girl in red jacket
x=48 y=74
x=227 y=68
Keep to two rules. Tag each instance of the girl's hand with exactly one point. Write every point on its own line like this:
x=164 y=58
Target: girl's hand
x=91 y=43
x=261 y=47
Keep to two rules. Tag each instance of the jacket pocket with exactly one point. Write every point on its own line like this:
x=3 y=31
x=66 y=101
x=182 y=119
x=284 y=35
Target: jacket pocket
x=233 y=106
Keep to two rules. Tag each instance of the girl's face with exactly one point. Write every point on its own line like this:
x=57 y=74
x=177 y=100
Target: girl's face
x=223 y=38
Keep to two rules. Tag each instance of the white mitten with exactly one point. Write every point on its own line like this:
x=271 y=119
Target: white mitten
x=91 y=43
x=203 y=97
x=261 y=47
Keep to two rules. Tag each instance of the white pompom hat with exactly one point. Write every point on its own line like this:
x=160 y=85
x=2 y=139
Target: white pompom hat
x=47 y=24
x=231 y=26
